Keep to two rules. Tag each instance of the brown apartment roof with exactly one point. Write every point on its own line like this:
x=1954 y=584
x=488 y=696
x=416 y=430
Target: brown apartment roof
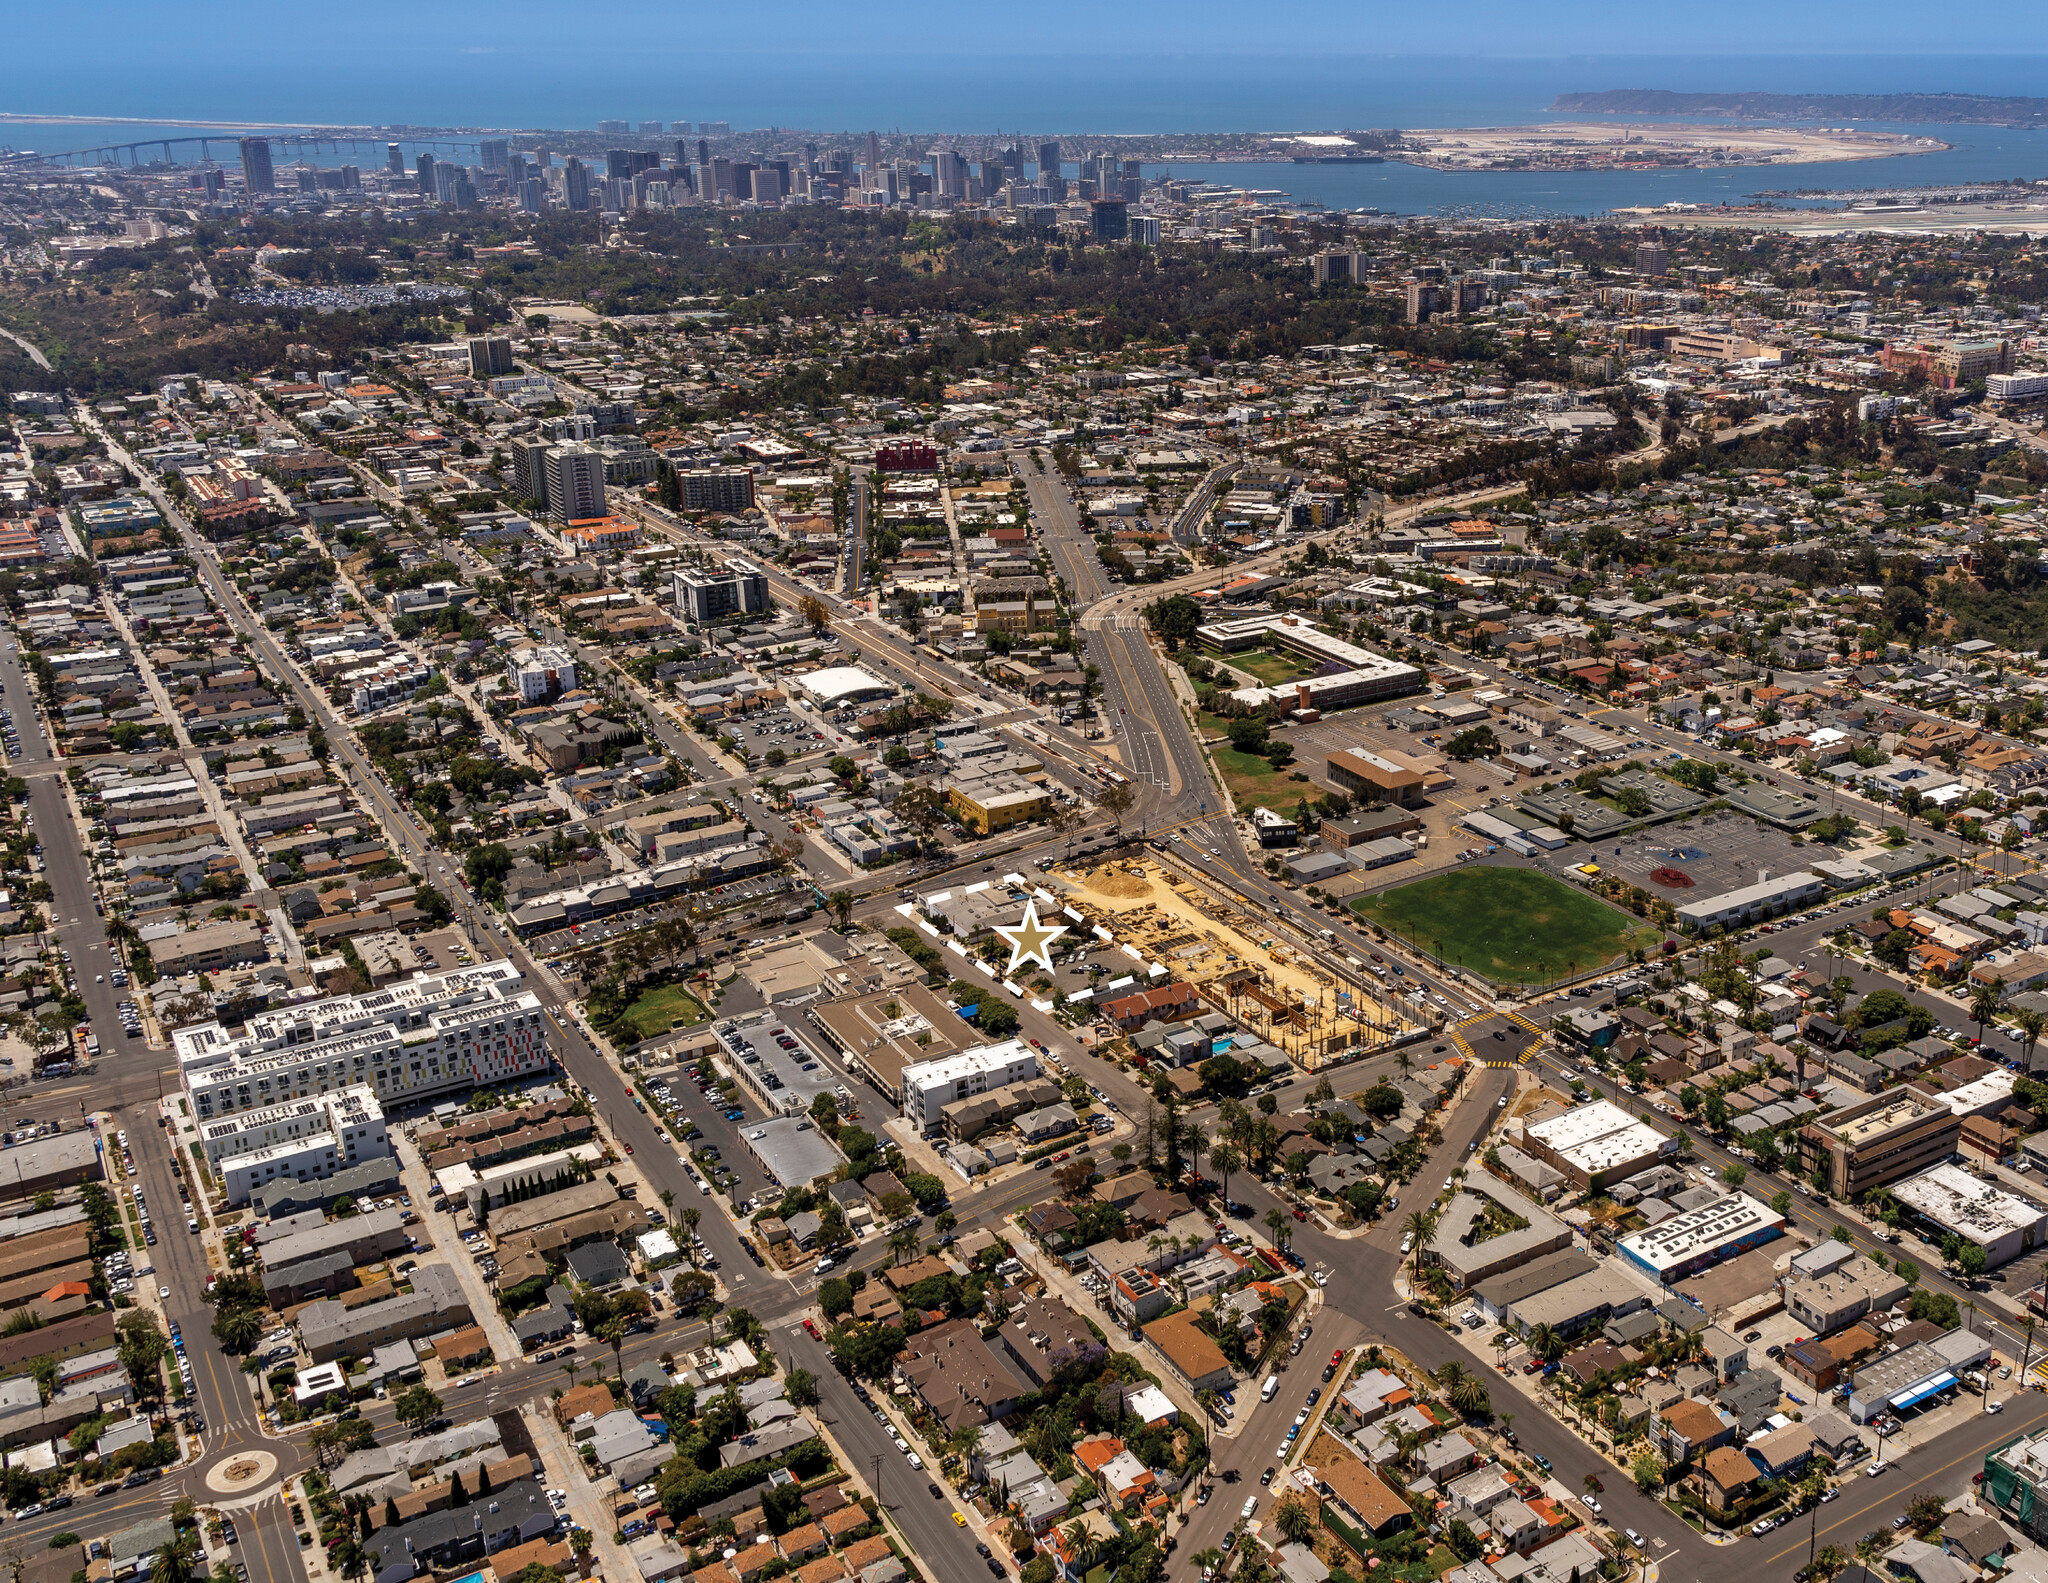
x=86 y=1333
x=865 y=1553
x=958 y=1375
x=1189 y=1348
x=44 y=1250
x=26 y=1288
x=1362 y=1490
x=1694 y=1420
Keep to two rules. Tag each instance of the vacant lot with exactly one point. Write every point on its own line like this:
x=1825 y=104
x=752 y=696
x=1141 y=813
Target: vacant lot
x=1511 y=924
x=659 y=1010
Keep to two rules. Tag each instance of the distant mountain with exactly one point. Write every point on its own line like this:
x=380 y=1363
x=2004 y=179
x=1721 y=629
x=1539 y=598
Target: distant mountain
x=1935 y=108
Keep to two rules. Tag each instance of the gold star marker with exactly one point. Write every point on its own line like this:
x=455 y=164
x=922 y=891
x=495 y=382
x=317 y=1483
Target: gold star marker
x=1030 y=940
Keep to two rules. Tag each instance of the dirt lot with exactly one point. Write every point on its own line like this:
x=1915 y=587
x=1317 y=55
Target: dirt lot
x=1202 y=939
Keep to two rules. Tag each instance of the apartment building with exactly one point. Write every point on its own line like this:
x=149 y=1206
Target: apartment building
x=1878 y=1141
x=537 y=671
x=303 y=1140
x=930 y=1086
x=740 y=588
x=434 y=1034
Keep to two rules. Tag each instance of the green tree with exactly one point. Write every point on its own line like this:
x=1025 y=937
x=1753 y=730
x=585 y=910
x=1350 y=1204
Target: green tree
x=1174 y=619
x=237 y=1329
x=417 y=1407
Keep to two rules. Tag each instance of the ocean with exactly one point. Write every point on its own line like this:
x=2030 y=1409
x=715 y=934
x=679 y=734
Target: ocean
x=1030 y=96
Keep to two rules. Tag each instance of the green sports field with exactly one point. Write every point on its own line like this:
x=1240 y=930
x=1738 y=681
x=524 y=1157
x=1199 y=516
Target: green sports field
x=1510 y=924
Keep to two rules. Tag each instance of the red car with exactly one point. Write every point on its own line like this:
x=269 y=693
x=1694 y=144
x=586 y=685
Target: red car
x=812 y=1328
x=1301 y=1214
x=1337 y=1359
x=629 y=1148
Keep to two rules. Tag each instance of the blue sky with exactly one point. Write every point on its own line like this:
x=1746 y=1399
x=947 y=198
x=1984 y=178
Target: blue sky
x=1140 y=65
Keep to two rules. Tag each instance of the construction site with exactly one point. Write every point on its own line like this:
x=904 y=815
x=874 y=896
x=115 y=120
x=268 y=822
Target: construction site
x=1202 y=935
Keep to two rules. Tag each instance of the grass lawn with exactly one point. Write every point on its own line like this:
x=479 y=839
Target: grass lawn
x=659 y=1010
x=1251 y=780
x=1270 y=665
x=1511 y=924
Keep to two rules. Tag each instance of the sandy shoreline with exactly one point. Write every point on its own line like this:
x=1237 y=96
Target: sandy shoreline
x=1649 y=146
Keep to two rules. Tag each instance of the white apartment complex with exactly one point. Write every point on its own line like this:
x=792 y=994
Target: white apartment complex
x=304 y=1140
x=533 y=671
x=421 y=1038
x=930 y=1086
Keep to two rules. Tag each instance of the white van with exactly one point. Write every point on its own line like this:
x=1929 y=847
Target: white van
x=1270 y=1389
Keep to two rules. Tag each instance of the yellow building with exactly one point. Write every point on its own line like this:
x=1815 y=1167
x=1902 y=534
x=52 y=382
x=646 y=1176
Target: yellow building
x=1029 y=614
x=996 y=803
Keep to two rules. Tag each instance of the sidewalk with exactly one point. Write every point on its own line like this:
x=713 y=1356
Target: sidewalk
x=586 y=1502
x=483 y=1303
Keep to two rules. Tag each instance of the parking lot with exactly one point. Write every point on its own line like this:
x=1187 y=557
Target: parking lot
x=1717 y=852
x=726 y=908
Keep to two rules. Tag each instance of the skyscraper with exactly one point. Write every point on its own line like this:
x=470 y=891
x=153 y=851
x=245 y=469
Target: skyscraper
x=650 y=128
x=394 y=159
x=617 y=162
x=491 y=152
x=680 y=129
x=424 y=165
x=530 y=191
x=256 y=171
x=576 y=184
x=872 y=168
x=1050 y=176
x=949 y=174
x=768 y=184
x=575 y=482
x=489 y=355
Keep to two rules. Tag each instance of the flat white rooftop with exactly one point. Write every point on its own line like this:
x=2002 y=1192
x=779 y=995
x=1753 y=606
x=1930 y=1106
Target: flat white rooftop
x=1583 y=1125
x=1701 y=1231
x=968 y=1063
x=1982 y=1212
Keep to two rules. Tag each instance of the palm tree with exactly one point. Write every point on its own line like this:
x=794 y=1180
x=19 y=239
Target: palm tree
x=1830 y=1560
x=1206 y=1559
x=841 y=903
x=1080 y=1545
x=613 y=1334
x=1294 y=1522
x=172 y=1563
x=1984 y=1004
x=1281 y=1225
x=2030 y=1023
x=903 y=1244
x=1421 y=1225
x=1546 y=1343
x=1225 y=1162
x=1197 y=1146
